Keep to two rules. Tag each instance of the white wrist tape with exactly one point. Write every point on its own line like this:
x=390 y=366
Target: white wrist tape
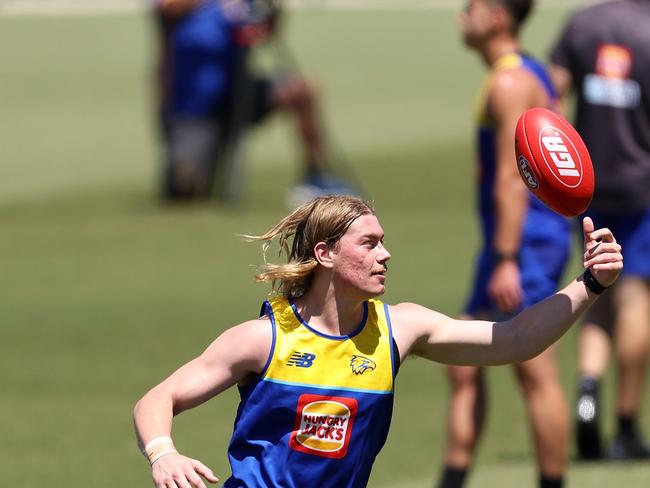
x=158 y=447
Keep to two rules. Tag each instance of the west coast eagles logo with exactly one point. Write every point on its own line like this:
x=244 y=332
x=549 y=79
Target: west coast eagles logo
x=361 y=364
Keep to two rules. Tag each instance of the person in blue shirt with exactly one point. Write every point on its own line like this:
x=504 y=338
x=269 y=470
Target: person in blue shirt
x=208 y=96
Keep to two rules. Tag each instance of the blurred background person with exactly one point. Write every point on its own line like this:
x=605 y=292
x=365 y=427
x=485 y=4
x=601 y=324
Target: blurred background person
x=208 y=96
x=603 y=55
x=525 y=244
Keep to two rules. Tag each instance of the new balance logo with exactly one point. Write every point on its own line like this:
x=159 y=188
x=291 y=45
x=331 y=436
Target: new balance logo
x=301 y=359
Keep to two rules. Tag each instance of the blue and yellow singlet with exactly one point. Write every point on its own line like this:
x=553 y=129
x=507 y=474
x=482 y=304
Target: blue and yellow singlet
x=320 y=411
x=487 y=157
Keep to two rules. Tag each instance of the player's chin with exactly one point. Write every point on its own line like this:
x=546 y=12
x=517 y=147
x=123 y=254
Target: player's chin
x=380 y=289
x=380 y=279
x=470 y=41
x=377 y=293
x=373 y=291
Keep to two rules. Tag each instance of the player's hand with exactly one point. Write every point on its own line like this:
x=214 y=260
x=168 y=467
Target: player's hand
x=176 y=470
x=602 y=253
x=504 y=287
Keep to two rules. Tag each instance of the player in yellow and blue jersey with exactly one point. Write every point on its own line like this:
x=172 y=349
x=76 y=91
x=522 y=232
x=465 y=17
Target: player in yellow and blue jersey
x=316 y=371
x=320 y=387
x=525 y=244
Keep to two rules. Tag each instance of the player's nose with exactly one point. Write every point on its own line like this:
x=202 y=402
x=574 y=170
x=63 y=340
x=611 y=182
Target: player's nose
x=384 y=254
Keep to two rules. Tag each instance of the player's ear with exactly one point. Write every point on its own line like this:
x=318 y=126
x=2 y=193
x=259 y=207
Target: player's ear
x=501 y=18
x=323 y=254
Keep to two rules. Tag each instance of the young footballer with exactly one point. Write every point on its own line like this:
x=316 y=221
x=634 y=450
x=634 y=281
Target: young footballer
x=316 y=370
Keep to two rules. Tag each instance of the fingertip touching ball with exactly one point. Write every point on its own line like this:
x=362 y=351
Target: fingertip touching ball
x=554 y=162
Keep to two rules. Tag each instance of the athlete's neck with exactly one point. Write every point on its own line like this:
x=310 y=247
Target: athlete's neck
x=330 y=314
x=498 y=47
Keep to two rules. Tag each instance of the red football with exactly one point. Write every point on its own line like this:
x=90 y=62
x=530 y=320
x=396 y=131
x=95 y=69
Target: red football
x=554 y=162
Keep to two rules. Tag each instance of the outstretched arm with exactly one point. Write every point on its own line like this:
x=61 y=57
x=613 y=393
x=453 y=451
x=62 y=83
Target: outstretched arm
x=235 y=355
x=429 y=334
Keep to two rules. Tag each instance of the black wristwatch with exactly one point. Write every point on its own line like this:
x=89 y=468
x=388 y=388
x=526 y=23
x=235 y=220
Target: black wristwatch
x=499 y=257
x=592 y=283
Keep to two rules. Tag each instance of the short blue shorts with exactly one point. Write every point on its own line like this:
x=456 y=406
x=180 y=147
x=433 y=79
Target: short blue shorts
x=543 y=255
x=632 y=231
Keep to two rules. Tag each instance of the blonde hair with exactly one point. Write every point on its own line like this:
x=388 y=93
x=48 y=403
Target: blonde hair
x=323 y=219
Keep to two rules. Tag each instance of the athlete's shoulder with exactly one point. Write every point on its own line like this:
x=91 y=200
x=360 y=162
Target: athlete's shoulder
x=511 y=78
x=510 y=90
x=254 y=337
x=254 y=325
x=258 y=327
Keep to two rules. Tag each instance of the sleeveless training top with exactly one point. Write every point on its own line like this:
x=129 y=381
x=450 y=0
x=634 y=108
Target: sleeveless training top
x=320 y=411
x=487 y=157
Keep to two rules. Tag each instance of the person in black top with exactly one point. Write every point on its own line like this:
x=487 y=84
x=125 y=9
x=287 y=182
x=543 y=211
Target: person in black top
x=603 y=55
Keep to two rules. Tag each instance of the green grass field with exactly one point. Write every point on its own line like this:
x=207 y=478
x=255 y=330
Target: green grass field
x=105 y=291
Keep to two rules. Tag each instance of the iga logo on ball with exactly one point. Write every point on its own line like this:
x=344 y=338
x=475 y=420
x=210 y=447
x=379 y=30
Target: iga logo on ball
x=553 y=161
x=561 y=156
